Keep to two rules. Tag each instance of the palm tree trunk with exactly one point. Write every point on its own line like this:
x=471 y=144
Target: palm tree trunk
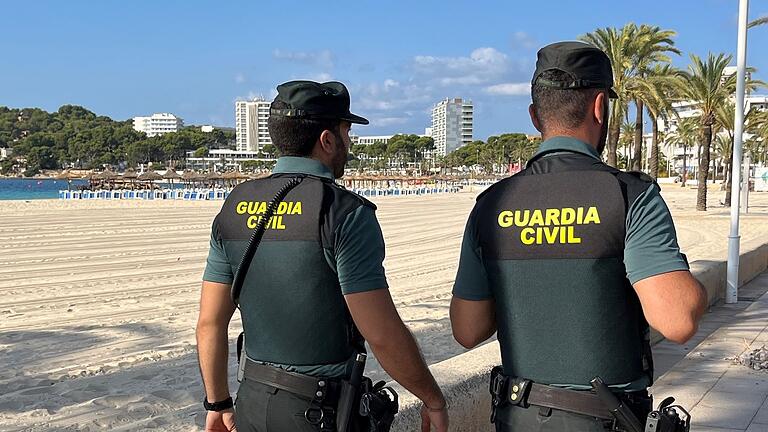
x=701 y=196
x=613 y=135
x=654 y=168
x=637 y=157
x=685 y=166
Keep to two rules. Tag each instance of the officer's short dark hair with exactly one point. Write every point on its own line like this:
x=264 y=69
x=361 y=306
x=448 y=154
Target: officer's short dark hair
x=297 y=136
x=563 y=108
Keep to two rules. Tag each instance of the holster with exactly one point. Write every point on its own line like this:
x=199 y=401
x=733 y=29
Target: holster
x=378 y=406
x=668 y=418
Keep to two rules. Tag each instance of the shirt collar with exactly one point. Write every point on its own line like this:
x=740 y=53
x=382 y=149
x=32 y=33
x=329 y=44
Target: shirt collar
x=564 y=143
x=302 y=165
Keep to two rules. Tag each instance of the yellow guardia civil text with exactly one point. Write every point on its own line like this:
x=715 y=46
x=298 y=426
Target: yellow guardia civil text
x=256 y=210
x=549 y=226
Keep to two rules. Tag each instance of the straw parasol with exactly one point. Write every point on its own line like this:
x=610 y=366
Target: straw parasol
x=234 y=176
x=150 y=176
x=171 y=175
x=107 y=174
x=130 y=174
x=213 y=175
x=190 y=176
x=67 y=175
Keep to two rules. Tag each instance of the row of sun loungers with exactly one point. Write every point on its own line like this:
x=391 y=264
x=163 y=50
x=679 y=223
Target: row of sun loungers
x=220 y=194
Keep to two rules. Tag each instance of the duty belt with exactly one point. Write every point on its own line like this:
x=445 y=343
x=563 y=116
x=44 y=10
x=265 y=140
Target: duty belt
x=523 y=393
x=298 y=384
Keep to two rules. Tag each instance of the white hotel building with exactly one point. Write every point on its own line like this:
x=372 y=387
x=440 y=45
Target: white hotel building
x=251 y=125
x=158 y=124
x=452 y=121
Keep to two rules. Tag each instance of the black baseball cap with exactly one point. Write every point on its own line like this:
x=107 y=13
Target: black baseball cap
x=313 y=100
x=587 y=65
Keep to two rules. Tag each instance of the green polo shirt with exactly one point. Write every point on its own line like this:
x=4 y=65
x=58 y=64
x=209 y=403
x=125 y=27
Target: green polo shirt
x=650 y=244
x=356 y=257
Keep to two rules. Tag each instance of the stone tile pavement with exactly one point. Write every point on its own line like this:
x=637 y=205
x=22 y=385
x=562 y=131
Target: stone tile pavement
x=721 y=396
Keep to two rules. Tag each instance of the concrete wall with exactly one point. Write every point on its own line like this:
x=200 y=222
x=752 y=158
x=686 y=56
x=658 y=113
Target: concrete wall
x=464 y=378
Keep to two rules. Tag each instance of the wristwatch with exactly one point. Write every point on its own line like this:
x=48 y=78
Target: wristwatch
x=218 y=406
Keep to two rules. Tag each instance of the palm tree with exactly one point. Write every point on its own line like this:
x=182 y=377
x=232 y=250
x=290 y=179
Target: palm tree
x=626 y=136
x=616 y=45
x=725 y=117
x=657 y=91
x=632 y=50
x=705 y=85
x=684 y=136
x=757 y=22
x=649 y=49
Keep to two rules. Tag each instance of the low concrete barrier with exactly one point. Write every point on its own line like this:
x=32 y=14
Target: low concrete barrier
x=464 y=378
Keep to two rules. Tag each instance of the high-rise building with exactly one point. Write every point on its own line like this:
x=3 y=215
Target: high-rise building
x=451 y=124
x=158 y=124
x=251 y=124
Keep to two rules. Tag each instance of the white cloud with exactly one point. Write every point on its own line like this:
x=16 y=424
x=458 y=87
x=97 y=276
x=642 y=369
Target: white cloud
x=323 y=58
x=239 y=78
x=390 y=83
x=483 y=65
x=389 y=121
x=510 y=89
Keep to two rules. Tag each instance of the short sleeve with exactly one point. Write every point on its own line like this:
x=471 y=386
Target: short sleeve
x=651 y=246
x=217 y=267
x=359 y=252
x=471 y=278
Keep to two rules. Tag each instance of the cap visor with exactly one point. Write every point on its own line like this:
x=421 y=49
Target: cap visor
x=355 y=119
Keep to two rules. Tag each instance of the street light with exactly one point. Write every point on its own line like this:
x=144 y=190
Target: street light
x=732 y=285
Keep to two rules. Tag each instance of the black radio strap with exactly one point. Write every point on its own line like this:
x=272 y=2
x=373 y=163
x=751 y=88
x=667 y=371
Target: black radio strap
x=258 y=233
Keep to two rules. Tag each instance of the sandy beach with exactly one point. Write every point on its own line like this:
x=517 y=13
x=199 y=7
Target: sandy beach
x=98 y=299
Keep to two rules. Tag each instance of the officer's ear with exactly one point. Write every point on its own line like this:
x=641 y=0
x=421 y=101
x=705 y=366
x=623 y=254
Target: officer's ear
x=328 y=141
x=534 y=117
x=598 y=110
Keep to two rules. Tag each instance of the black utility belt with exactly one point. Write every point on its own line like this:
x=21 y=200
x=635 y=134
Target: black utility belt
x=524 y=393
x=298 y=384
x=332 y=400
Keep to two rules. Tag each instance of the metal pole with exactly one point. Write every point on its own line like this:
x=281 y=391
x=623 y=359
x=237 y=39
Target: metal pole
x=745 y=184
x=732 y=288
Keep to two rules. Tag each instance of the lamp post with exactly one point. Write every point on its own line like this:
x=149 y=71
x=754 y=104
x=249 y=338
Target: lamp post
x=732 y=286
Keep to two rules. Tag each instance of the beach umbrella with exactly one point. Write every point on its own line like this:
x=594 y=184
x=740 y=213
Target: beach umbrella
x=171 y=175
x=107 y=174
x=67 y=175
x=150 y=176
x=190 y=176
x=212 y=177
x=130 y=174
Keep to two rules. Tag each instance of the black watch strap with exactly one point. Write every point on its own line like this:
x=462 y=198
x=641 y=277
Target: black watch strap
x=218 y=406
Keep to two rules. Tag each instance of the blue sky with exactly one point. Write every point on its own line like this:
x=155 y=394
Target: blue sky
x=398 y=58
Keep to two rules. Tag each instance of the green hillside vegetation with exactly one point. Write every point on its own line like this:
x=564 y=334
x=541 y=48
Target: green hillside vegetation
x=76 y=137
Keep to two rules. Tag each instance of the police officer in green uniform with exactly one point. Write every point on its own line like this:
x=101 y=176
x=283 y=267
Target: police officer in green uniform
x=314 y=288
x=569 y=261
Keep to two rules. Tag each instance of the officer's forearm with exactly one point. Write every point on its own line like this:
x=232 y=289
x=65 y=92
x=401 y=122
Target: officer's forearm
x=212 y=353
x=399 y=355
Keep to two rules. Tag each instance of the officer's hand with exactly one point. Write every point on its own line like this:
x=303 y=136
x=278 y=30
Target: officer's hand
x=438 y=418
x=220 y=421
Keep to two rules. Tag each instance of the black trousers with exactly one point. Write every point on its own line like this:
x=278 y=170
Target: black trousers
x=510 y=418
x=516 y=419
x=261 y=408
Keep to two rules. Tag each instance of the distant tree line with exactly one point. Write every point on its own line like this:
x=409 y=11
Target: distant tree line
x=76 y=137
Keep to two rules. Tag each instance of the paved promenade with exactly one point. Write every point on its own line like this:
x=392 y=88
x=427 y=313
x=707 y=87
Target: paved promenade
x=721 y=396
